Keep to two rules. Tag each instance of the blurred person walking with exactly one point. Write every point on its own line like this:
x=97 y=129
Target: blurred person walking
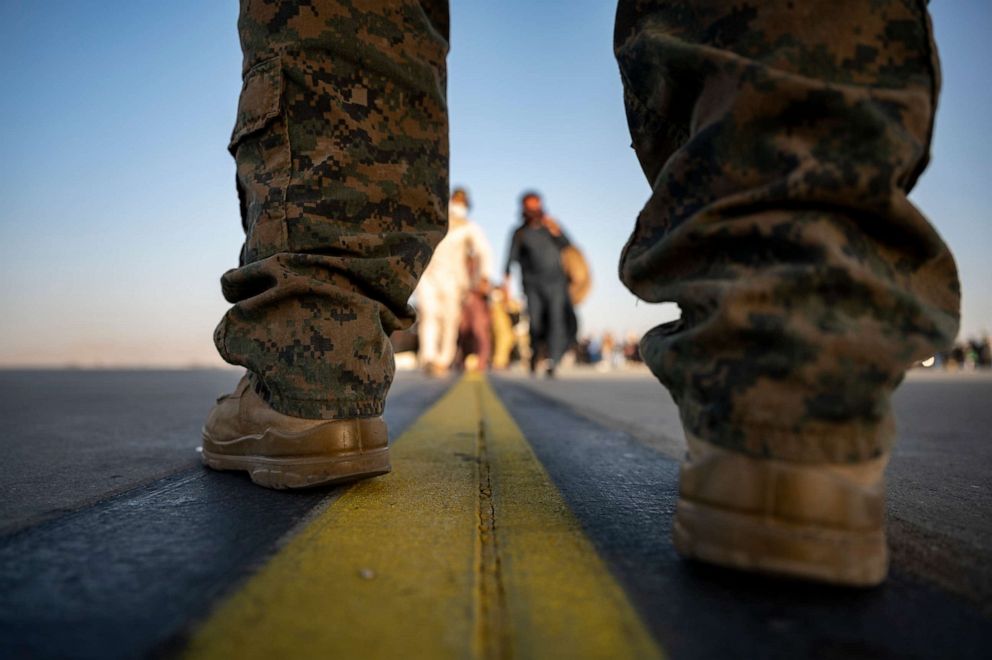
x=456 y=276
x=475 y=337
x=501 y=310
x=780 y=141
x=536 y=246
x=632 y=349
x=611 y=353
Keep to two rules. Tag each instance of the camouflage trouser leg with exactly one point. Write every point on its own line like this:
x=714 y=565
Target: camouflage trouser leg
x=780 y=140
x=342 y=159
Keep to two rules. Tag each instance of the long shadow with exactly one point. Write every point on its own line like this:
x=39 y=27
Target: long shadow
x=126 y=577
x=624 y=493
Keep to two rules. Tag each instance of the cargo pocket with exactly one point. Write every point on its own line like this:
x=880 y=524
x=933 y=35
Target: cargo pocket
x=260 y=146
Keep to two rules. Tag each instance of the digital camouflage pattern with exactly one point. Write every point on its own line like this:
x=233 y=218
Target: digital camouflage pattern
x=780 y=140
x=342 y=158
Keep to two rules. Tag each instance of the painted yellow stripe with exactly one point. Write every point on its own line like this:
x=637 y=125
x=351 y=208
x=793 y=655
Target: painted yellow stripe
x=465 y=550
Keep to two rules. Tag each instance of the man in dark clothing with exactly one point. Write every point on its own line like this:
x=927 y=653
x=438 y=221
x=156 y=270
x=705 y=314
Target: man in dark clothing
x=536 y=245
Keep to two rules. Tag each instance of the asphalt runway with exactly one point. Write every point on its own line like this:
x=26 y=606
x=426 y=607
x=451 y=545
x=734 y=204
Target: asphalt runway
x=939 y=483
x=114 y=542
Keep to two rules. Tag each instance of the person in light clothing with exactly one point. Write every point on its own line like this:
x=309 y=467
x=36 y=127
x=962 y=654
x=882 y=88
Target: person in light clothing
x=446 y=283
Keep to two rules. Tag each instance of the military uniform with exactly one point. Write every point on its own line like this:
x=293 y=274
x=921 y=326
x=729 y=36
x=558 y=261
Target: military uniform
x=780 y=140
x=342 y=159
x=780 y=144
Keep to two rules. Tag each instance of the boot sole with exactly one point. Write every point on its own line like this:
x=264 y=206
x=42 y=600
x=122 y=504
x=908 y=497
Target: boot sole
x=303 y=472
x=770 y=545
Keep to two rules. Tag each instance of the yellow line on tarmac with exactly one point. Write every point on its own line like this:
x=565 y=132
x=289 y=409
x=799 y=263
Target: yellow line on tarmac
x=466 y=550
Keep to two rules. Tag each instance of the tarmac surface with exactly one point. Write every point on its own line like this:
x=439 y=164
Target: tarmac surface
x=114 y=542
x=939 y=481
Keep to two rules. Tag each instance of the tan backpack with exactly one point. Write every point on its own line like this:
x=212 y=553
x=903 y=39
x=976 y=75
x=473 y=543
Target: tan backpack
x=576 y=268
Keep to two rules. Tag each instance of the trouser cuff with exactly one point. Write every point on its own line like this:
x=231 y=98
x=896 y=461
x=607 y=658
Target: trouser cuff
x=815 y=441
x=323 y=408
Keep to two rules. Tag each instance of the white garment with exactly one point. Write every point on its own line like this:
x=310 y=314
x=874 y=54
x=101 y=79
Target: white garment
x=443 y=286
x=449 y=265
x=439 y=313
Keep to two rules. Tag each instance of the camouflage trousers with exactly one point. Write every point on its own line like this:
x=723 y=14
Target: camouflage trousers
x=342 y=157
x=780 y=140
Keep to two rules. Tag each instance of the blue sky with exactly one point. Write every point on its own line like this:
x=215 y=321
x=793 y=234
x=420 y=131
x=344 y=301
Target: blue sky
x=119 y=212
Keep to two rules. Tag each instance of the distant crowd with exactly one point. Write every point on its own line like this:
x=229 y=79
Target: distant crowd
x=607 y=352
x=465 y=320
x=974 y=353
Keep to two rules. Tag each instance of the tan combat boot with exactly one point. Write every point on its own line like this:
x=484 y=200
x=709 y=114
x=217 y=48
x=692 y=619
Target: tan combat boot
x=243 y=432
x=822 y=522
